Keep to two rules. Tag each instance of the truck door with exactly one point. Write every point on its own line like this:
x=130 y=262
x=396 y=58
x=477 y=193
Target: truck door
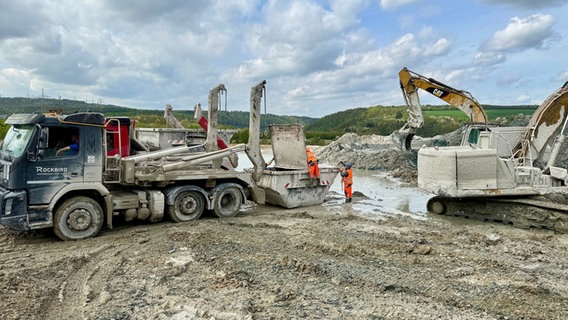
x=51 y=170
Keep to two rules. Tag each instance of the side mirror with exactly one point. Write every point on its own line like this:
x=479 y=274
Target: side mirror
x=43 y=139
x=41 y=147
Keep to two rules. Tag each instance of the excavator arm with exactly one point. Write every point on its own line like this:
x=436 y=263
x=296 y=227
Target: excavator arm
x=410 y=82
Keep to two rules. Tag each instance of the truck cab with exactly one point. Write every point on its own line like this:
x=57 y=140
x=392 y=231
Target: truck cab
x=36 y=178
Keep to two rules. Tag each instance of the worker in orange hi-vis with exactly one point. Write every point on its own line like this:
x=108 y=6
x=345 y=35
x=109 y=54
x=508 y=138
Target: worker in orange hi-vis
x=347 y=180
x=313 y=167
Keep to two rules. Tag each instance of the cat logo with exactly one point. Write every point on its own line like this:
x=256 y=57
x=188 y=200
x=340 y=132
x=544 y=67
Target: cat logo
x=438 y=93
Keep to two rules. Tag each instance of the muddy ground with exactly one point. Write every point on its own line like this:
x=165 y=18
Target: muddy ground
x=321 y=262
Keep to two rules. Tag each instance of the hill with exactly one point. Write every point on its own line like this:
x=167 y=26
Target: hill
x=379 y=120
x=383 y=120
x=25 y=105
x=146 y=118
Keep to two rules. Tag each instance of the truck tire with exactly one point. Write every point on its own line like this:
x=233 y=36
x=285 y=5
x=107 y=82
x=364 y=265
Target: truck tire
x=227 y=202
x=187 y=206
x=78 y=218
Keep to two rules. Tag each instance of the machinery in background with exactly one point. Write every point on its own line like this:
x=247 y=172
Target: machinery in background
x=514 y=180
x=410 y=82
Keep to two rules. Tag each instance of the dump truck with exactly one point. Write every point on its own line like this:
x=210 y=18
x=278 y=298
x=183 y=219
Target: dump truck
x=514 y=180
x=107 y=179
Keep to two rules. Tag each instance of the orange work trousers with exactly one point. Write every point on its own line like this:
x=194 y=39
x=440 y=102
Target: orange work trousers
x=313 y=169
x=348 y=189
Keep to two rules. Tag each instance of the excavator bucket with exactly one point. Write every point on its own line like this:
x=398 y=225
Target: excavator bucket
x=402 y=139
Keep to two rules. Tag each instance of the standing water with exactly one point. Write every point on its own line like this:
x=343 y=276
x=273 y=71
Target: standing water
x=381 y=194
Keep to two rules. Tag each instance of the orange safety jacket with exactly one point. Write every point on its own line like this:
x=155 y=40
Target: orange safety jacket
x=347 y=177
x=311 y=156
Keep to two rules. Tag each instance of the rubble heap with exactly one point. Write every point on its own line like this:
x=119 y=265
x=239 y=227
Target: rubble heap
x=375 y=152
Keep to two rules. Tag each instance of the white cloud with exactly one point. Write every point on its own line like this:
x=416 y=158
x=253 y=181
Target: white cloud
x=521 y=34
x=299 y=38
x=440 y=47
x=523 y=98
x=527 y=4
x=489 y=58
x=317 y=56
x=562 y=77
x=14 y=80
x=355 y=72
x=508 y=80
x=393 y=4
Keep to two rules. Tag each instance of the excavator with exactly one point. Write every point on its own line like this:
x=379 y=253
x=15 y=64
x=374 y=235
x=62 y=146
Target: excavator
x=410 y=82
x=515 y=180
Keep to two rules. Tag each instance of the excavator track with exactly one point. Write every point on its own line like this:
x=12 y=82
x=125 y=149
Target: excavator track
x=527 y=212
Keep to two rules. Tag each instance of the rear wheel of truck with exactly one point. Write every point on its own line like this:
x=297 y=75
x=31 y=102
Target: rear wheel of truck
x=78 y=218
x=188 y=206
x=227 y=202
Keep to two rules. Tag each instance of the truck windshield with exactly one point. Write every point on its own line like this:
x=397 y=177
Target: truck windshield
x=17 y=139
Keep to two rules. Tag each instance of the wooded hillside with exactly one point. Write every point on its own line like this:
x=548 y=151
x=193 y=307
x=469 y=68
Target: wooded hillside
x=379 y=120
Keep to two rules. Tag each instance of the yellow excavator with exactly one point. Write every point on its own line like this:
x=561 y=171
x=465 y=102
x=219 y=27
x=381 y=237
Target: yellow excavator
x=410 y=82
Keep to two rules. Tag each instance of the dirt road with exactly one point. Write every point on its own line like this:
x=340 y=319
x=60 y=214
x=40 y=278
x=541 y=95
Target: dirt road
x=321 y=262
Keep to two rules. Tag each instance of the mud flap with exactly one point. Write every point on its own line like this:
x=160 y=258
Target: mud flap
x=108 y=210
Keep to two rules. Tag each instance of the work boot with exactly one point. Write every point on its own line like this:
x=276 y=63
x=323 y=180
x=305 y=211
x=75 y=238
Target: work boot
x=316 y=182
x=348 y=200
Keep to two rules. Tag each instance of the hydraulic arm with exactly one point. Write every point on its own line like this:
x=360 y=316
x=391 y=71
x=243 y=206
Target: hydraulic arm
x=410 y=82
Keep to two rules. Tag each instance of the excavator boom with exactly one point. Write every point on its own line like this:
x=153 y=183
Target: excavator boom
x=410 y=82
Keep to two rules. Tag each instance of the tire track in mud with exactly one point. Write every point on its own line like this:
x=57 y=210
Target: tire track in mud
x=83 y=290
x=307 y=263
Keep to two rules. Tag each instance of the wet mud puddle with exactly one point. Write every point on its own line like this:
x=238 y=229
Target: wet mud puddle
x=376 y=193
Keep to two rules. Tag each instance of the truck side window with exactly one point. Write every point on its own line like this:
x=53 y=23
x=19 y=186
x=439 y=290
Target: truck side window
x=61 y=138
x=71 y=144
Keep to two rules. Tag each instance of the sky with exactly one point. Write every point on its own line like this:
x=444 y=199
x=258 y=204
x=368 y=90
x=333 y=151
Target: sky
x=318 y=57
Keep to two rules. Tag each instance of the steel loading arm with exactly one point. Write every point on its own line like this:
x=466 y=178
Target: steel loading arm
x=213 y=116
x=171 y=118
x=410 y=82
x=253 y=146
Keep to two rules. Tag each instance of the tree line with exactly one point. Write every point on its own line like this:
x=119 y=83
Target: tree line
x=380 y=120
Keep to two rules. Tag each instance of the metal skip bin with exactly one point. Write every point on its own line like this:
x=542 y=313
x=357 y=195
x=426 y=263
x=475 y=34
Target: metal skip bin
x=288 y=183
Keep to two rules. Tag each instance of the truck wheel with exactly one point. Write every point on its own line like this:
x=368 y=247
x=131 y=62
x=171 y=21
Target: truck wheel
x=78 y=218
x=227 y=202
x=188 y=206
